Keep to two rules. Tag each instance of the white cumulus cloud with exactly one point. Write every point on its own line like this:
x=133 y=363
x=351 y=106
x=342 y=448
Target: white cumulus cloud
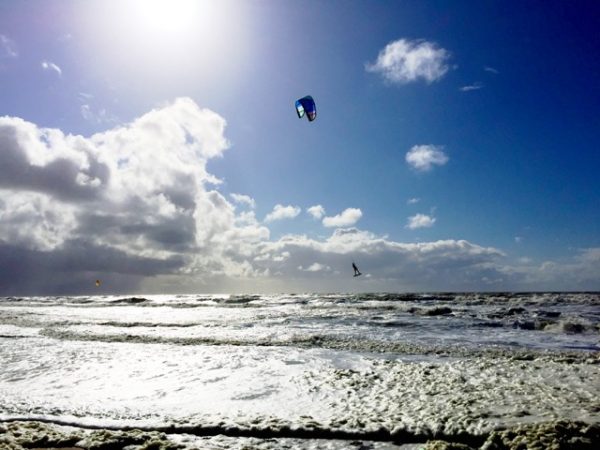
x=316 y=211
x=282 y=212
x=420 y=221
x=403 y=61
x=242 y=199
x=128 y=203
x=424 y=157
x=346 y=218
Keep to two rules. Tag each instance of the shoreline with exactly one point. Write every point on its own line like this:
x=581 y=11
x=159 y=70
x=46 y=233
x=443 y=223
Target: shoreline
x=277 y=373
x=35 y=434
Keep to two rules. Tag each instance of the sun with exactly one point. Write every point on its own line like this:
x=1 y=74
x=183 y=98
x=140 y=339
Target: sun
x=164 y=44
x=168 y=16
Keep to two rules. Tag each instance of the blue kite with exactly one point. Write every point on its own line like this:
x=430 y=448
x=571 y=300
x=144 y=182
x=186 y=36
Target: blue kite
x=306 y=105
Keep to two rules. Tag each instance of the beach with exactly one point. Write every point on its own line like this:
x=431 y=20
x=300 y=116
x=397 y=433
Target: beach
x=380 y=371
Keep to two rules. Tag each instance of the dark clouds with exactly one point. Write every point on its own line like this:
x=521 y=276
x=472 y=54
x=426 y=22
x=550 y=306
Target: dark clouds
x=120 y=205
x=73 y=269
x=69 y=179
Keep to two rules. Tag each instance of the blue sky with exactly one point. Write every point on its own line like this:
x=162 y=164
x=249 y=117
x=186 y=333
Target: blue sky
x=154 y=145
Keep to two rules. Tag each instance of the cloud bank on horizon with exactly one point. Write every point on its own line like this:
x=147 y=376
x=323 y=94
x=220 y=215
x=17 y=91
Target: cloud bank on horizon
x=136 y=207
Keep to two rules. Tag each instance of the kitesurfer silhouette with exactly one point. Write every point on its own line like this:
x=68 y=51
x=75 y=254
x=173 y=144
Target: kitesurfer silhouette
x=356 y=271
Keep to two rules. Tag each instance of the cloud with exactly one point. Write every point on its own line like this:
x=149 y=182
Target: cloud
x=315 y=267
x=136 y=207
x=392 y=265
x=580 y=273
x=347 y=218
x=72 y=268
x=100 y=116
x=46 y=161
x=420 y=221
x=424 y=157
x=316 y=211
x=242 y=199
x=413 y=201
x=8 y=48
x=490 y=69
x=404 y=61
x=471 y=87
x=138 y=194
x=282 y=212
x=47 y=65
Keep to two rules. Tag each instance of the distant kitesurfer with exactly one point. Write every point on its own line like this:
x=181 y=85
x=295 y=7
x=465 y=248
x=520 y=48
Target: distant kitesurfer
x=356 y=271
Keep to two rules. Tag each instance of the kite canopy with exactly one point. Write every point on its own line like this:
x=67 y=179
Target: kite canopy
x=306 y=105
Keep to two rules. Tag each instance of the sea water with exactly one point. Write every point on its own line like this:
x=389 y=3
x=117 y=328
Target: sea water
x=376 y=369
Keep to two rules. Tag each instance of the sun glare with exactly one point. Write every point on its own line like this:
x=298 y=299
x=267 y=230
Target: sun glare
x=164 y=44
x=172 y=16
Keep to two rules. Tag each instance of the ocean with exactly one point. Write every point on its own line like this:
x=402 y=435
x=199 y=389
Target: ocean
x=306 y=371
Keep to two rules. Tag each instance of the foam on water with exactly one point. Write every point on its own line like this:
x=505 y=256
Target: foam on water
x=378 y=367
x=548 y=321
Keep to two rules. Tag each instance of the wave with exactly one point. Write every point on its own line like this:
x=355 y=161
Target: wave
x=21 y=433
x=42 y=431
x=435 y=311
x=335 y=342
x=512 y=303
x=573 y=326
x=129 y=301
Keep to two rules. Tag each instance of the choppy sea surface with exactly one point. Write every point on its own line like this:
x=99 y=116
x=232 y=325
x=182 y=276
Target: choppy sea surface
x=334 y=371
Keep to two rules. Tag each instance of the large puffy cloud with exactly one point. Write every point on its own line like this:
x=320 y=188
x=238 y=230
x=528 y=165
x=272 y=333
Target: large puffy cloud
x=138 y=195
x=403 y=61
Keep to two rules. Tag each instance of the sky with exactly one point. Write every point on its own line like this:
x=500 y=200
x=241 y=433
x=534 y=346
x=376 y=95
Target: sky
x=154 y=145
